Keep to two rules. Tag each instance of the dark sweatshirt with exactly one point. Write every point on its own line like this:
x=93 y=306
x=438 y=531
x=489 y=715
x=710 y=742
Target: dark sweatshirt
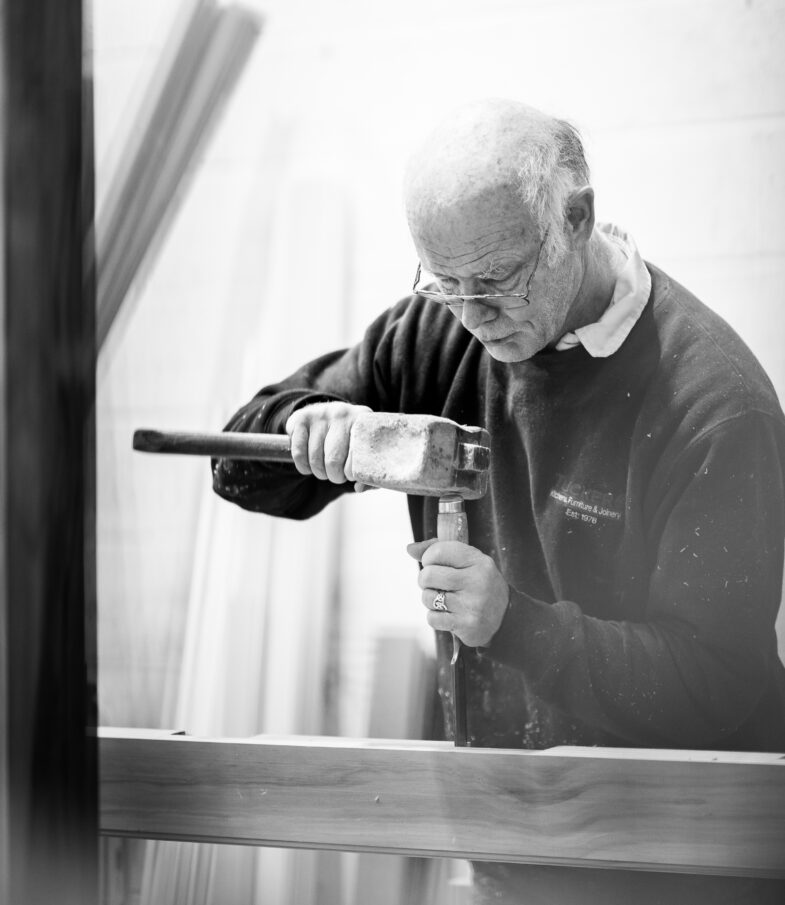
x=635 y=508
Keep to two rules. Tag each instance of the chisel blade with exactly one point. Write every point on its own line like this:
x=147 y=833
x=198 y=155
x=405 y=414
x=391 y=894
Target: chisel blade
x=458 y=670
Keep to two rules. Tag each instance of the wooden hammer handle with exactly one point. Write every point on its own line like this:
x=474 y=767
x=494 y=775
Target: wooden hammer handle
x=267 y=447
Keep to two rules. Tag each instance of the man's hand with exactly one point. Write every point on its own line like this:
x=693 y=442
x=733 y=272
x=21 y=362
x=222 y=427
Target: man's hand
x=320 y=440
x=476 y=593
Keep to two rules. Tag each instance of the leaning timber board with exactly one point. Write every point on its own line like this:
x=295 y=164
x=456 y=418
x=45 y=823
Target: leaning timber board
x=681 y=811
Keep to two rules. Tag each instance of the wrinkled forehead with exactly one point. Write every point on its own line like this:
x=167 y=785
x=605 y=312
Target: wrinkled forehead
x=459 y=227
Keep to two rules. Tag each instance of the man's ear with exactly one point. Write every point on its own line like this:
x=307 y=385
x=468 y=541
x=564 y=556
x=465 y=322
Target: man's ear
x=580 y=217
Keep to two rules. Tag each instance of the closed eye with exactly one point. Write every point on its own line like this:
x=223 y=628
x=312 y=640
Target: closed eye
x=446 y=284
x=504 y=282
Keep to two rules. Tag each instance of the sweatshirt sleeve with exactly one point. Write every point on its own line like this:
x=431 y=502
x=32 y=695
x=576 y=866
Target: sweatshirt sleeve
x=278 y=488
x=696 y=666
x=376 y=373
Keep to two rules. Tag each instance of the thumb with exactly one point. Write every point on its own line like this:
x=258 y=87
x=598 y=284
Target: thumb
x=417 y=549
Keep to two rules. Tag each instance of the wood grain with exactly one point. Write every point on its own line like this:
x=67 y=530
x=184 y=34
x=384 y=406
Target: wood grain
x=680 y=811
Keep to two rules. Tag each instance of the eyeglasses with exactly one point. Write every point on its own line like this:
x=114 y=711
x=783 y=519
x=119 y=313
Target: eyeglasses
x=495 y=300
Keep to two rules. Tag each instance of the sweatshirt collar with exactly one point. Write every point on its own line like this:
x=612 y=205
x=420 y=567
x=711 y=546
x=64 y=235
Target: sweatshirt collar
x=632 y=290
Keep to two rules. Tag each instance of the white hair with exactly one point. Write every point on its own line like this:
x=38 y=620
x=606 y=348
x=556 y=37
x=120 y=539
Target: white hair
x=550 y=168
x=499 y=142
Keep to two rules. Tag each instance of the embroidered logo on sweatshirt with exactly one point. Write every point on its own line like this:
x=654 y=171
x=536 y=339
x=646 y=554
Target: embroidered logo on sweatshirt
x=583 y=504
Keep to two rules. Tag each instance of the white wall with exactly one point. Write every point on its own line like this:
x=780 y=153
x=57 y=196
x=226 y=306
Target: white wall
x=682 y=105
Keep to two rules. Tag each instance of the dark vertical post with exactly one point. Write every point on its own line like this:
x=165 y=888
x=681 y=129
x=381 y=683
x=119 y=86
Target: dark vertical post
x=47 y=606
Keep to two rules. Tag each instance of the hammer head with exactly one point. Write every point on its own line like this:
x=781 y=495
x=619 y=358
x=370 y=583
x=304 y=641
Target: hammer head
x=420 y=454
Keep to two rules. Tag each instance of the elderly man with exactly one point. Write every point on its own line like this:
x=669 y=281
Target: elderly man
x=625 y=567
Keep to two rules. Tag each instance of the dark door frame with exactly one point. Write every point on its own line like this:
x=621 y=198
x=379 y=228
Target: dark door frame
x=48 y=776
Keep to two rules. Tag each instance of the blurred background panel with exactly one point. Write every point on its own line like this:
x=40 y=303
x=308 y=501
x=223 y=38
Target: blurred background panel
x=278 y=234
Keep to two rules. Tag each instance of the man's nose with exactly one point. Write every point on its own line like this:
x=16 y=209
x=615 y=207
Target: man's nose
x=475 y=313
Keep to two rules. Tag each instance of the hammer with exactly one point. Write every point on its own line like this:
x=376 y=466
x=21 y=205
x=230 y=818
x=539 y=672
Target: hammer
x=423 y=455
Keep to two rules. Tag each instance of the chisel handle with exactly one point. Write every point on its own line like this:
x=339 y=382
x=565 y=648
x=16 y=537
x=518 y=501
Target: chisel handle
x=220 y=445
x=452 y=524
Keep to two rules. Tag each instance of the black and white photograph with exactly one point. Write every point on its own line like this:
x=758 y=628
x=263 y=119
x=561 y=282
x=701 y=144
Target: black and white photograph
x=392 y=452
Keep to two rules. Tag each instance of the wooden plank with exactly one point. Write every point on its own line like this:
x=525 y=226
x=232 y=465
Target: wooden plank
x=194 y=79
x=404 y=682
x=679 y=811
x=49 y=795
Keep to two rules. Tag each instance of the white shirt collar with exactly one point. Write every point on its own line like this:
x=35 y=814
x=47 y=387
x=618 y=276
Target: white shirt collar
x=632 y=290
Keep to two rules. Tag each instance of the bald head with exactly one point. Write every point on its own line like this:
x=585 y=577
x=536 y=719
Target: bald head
x=497 y=149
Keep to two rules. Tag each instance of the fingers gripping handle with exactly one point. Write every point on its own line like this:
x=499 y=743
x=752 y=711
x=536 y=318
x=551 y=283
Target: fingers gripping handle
x=451 y=524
